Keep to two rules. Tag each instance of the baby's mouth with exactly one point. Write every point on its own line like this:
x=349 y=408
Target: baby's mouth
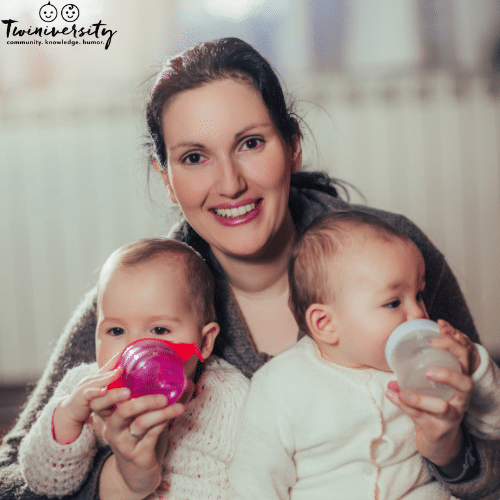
x=233 y=213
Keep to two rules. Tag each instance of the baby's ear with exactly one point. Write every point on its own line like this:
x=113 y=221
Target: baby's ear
x=208 y=334
x=320 y=320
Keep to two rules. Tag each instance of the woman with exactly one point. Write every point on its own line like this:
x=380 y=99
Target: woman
x=229 y=153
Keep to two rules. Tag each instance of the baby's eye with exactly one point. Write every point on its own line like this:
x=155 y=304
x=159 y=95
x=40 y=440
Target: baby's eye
x=116 y=331
x=160 y=330
x=192 y=158
x=252 y=143
x=394 y=304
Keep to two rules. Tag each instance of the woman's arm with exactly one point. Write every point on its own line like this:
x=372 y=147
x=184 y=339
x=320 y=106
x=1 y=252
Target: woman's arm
x=75 y=346
x=483 y=416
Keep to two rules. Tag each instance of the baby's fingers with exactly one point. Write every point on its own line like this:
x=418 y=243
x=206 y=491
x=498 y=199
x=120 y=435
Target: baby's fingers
x=137 y=406
x=95 y=385
x=459 y=381
x=415 y=405
x=152 y=423
x=110 y=365
x=459 y=351
x=104 y=403
x=459 y=345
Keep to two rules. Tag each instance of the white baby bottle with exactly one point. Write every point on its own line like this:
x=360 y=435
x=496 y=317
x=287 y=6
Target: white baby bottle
x=409 y=353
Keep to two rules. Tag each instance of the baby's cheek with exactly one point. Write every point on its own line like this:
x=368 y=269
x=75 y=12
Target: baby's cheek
x=105 y=353
x=98 y=426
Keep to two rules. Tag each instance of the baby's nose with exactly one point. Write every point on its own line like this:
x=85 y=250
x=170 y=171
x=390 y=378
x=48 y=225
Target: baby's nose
x=418 y=311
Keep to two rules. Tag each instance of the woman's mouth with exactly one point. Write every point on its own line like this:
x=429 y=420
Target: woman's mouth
x=232 y=213
x=238 y=215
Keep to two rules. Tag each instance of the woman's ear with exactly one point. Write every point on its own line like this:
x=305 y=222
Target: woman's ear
x=165 y=179
x=156 y=166
x=208 y=334
x=321 y=323
x=296 y=151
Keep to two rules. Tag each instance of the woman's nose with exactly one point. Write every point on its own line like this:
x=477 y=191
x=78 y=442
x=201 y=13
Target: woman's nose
x=231 y=182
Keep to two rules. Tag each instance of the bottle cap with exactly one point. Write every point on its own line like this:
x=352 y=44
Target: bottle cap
x=406 y=329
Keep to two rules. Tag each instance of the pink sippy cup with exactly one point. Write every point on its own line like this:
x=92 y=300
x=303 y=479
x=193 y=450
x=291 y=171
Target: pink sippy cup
x=155 y=366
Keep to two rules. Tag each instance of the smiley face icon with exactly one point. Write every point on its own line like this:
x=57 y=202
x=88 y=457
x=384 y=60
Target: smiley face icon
x=48 y=12
x=70 y=12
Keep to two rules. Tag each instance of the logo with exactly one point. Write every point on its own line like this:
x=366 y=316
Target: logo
x=48 y=13
x=96 y=34
x=70 y=12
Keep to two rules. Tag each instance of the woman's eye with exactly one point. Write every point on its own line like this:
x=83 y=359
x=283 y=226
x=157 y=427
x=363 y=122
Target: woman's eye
x=160 y=330
x=393 y=304
x=252 y=143
x=192 y=158
x=116 y=331
x=420 y=296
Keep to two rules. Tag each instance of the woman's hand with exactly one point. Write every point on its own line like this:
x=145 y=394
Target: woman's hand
x=75 y=409
x=437 y=422
x=135 y=432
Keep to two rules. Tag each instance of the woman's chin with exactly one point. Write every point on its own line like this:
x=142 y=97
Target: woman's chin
x=239 y=251
x=249 y=247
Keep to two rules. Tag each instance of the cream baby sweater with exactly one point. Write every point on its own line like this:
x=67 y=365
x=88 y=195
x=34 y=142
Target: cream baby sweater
x=201 y=441
x=316 y=430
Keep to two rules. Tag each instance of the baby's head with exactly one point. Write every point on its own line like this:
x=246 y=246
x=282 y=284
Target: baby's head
x=353 y=279
x=155 y=288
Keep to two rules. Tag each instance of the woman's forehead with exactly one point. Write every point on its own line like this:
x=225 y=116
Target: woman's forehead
x=216 y=102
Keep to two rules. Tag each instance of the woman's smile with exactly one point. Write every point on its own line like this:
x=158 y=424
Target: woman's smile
x=232 y=214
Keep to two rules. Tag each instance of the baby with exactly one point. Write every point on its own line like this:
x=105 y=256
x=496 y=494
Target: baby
x=319 y=422
x=152 y=288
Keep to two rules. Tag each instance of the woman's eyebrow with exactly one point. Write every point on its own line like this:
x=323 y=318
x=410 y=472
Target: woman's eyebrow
x=251 y=127
x=187 y=145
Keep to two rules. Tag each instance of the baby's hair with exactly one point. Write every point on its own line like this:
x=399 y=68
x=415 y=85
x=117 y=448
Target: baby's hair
x=198 y=277
x=313 y=251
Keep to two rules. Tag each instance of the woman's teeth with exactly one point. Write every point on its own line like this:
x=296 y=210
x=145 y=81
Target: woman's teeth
x=231 y=213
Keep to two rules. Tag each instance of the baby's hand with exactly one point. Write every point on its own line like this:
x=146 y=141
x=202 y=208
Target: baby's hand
x=135 y=432
x=75 y=409
x=437 y=422
x=469 y=358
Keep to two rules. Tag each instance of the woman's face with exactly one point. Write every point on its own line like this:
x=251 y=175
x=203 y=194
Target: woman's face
x=229 y=167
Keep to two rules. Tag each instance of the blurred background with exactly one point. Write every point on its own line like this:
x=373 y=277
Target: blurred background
x=401 y=99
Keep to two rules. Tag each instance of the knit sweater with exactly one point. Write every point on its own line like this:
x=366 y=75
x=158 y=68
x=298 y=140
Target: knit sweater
x=200 y=442
x=311 y=195
x=314 y=429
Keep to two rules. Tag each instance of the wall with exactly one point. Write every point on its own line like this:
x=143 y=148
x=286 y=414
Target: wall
x=72 y=188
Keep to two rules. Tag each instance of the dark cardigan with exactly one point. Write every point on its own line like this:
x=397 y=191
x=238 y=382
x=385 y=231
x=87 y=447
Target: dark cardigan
x=311 y=195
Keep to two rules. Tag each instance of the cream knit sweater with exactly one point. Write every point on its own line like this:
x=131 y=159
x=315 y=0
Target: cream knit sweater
x=201 y=441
